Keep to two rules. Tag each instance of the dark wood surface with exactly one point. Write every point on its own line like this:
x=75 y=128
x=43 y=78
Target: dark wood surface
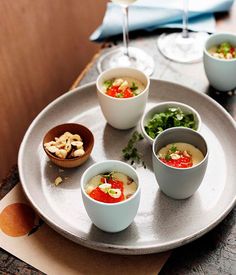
x=215 y=252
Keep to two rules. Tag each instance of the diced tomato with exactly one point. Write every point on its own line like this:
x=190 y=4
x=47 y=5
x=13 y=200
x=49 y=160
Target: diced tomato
x=128 y=93
x=113 y=91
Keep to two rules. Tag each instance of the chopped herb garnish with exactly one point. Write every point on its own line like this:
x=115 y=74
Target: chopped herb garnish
x=108 y=83
x=119 y=95
x=167 y=157
x=173 y=148
x=130 y=152
x=133 y=87
x=172 y=117
x=224 y=47
x=108 y=176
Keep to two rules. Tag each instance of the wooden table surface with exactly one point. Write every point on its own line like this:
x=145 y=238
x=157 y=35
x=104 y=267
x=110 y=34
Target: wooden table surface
x=215 y=252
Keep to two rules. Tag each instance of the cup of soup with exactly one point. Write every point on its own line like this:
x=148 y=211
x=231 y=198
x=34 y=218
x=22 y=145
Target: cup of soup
x=220 y=61
x=111 y=194
x=122 y=95
x=179 y=157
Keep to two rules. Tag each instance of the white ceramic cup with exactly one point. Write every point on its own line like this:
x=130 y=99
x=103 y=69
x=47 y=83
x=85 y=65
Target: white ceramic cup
x=122 y=113
x=179 y=183
x=111 y=217
x=221 y=73
x=162 y=107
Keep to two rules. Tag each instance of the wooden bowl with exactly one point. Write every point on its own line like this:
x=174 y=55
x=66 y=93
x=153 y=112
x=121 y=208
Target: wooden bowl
x=73 y=128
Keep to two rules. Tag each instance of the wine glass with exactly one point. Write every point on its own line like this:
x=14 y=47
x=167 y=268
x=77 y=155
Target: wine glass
x=126 y=56
x=185 y=47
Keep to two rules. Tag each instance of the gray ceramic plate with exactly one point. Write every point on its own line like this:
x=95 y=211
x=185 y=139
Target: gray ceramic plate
x=161 y=223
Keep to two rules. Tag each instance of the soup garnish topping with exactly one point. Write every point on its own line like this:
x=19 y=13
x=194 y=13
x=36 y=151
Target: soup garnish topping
x=223 y=51
x=124 y=87
x=180 y=155
x=111 y=188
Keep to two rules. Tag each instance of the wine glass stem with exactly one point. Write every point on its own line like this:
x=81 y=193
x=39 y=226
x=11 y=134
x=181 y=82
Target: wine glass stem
x=125 y=30
x=185 y=33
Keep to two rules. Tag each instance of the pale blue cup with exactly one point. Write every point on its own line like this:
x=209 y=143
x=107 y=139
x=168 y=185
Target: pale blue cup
x=179 y=183
x=221 y=73
x=111 y=217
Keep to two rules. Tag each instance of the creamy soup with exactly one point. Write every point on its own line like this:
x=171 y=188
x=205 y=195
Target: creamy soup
x=180 y=155
x=123 y=87
x=111 y=187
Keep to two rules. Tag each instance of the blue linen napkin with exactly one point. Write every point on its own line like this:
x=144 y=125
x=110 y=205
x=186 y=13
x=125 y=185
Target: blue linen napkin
x=153 y=14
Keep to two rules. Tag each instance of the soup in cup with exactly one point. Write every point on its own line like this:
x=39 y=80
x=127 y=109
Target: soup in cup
x=179 y=157
x=122 y=95
x=111 y=194
x=220 y=67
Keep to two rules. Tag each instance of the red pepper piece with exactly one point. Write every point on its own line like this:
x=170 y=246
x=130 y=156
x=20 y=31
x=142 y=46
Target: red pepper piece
x=99 y=195
x=182 y=162
x=232 y=50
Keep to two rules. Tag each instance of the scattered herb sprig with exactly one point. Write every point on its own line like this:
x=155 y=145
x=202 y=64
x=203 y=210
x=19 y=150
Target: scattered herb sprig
x=172 y=117
x=131 y=153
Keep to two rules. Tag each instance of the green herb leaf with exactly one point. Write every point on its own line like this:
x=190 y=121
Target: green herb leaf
x=134 y=87
x=167 y=157
x=224 y=48
x=108 y=83
x=107 y=176
x=130 y=152
x=119 y=95
x=171 y=117
x=173 y=148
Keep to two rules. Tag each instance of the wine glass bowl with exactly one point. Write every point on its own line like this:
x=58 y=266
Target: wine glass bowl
x=126 y=56
x=182 y=49
x=137 y=59
x=185 y=47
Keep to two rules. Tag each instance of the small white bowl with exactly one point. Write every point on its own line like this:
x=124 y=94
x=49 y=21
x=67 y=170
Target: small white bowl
x=111 y=217
x=221 y=73
x=161 y=107
x=179 y=183
x=119 y=112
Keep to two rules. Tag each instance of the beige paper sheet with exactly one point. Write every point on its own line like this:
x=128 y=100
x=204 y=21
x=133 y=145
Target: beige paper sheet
x=51 y=253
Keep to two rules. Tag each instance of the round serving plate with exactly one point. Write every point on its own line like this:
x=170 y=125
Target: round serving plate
x=161 y=223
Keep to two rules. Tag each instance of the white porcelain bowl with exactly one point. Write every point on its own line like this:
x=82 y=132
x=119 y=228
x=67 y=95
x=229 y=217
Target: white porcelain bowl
x=179 y=183
x=111 y=217
x=221 y=73
x=163 y=106
x=122 y=113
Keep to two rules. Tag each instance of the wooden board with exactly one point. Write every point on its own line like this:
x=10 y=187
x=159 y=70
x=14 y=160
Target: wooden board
x=44 y=45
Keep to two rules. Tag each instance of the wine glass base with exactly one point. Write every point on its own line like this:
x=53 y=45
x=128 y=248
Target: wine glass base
x=137 y=59
x=183 y=50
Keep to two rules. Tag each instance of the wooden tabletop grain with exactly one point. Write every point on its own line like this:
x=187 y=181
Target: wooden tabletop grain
x=215 y=252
